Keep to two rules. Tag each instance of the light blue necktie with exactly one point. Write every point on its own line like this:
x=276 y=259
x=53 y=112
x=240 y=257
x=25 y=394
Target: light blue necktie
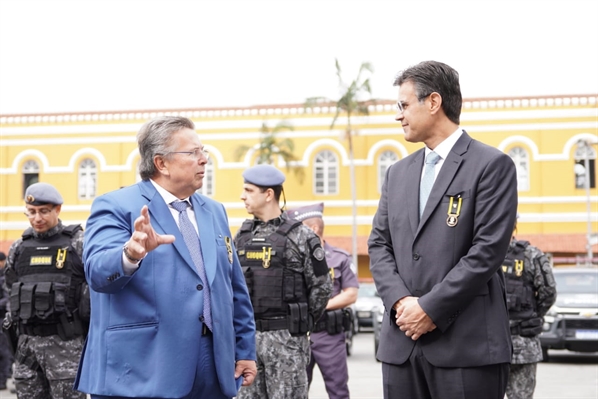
x=192 y=241
x=427 y=181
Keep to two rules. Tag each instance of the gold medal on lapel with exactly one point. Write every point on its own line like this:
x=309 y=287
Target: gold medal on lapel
x=454 y=210
x=229 y=249
x=60 y=258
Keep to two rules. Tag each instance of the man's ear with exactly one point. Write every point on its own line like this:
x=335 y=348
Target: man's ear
x=160 y=164
x=269 y=195
x=435 y=103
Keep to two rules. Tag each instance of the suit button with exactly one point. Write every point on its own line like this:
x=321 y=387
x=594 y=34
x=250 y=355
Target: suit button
x=415 y=256
x=201 y=318
x=199 y=287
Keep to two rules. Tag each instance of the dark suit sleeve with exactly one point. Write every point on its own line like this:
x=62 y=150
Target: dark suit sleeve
x=382 y=260
x=494 y=217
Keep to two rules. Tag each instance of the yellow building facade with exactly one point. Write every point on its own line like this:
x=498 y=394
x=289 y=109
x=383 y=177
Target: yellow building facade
x=87 y=154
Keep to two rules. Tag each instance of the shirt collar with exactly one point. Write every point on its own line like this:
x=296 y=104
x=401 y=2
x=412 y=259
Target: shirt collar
x=167 y=196
x=444 y=148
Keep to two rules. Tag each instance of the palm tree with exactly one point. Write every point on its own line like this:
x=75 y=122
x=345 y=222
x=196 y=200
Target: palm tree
x=352 y=102
x=270 y=147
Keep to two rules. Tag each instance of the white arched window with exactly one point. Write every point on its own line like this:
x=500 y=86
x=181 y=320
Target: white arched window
x=207 y=188
x=325 y=173
x=521 y=160
x=87 y=179
x=385 y=159
x=30 y=174
x=581 y=153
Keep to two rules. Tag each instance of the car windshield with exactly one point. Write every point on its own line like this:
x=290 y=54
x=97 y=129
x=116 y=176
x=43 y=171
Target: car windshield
x=576 y=283
x=367 y=290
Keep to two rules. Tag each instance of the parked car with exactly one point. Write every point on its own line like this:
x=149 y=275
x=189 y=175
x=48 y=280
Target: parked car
x=368 y=301
x=350 y=312
x=379 y=315
x=572 y=322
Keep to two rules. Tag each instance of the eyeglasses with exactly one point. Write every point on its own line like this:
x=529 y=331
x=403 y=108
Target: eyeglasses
x=196 y=153
x=400 y=108
x=30 y=213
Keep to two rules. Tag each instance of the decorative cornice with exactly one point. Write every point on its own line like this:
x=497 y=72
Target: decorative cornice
x=285 y=109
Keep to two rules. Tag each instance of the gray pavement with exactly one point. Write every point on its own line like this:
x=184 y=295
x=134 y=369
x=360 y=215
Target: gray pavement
x=567 y=375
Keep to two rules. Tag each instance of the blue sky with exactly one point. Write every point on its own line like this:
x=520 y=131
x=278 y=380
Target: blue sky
x=87 y=55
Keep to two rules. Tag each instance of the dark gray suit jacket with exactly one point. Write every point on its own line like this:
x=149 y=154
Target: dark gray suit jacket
x=455 y=271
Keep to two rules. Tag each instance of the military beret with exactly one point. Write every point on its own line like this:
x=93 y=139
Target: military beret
x=42 y=194
x=307 y=212
x=263 y=175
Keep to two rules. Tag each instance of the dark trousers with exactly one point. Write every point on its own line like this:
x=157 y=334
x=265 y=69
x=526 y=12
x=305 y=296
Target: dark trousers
x=206 y=384
x=417 y=378
x=6 y=358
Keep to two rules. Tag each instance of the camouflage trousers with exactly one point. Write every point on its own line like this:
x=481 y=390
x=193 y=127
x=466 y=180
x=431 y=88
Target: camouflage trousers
x=46 y=367
x=522 y=381
x=281 y=367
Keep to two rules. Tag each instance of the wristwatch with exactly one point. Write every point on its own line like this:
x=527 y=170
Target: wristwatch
x=129 y=257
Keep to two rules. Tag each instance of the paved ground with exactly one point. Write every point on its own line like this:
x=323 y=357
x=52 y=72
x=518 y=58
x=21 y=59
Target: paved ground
x=566 y=376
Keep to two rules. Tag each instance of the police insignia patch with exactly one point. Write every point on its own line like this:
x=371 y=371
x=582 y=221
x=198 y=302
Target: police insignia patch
x=319 y=253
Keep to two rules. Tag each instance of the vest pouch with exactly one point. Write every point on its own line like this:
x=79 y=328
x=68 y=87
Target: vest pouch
x=347 y=319
x=60 y=292
x=298 y=318
x=43 y=300
x=85 y=303
x=15 y=299
x=26 y=301
x=513 y=303
x=335 y=321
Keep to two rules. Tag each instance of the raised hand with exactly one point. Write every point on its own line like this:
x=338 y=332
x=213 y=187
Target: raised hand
x=144 y=238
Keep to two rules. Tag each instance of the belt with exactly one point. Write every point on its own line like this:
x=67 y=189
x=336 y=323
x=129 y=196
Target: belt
x=272 y=324
x=41 y=330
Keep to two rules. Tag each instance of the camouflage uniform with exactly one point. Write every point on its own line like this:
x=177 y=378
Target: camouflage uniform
x=45 y=367
x=282 y=359
x=527 y=351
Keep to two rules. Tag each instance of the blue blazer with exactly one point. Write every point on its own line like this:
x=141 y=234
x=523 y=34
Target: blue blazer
x=144 y=332
x=453 y=269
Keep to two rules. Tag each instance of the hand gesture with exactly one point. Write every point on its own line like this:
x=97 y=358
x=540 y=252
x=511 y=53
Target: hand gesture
x=144 y=238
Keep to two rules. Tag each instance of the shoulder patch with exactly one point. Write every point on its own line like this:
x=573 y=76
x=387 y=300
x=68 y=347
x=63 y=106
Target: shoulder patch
x=318 y=257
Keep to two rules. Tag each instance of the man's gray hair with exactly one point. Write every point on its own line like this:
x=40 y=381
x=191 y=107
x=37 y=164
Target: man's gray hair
x=155 y=138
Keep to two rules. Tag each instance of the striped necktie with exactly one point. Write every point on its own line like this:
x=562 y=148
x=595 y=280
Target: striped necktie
x=193 y=244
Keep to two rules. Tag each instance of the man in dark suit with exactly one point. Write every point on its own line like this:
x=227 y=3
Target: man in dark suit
x=438 y=240
x=171 y=315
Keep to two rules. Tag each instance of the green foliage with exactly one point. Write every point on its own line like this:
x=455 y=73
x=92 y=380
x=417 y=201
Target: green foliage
x=270 y=147
x=351 y=101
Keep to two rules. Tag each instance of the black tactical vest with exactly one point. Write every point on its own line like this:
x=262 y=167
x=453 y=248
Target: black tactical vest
x=46 y=291
x=520 y=286
x=271 y=284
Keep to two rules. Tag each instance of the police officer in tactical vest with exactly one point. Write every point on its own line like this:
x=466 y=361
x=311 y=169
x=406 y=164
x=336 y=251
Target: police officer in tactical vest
x=531 y=291
x=48 y=305
x=287 y=277
x=328 y=347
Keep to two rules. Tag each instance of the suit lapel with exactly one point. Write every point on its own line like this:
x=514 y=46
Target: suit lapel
x=445 y=177
x=162 y=221
x=413 y=180
x=205 y=226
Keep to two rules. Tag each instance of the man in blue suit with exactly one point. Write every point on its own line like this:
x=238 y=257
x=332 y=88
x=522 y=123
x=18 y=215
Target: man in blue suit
x=171 y=315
